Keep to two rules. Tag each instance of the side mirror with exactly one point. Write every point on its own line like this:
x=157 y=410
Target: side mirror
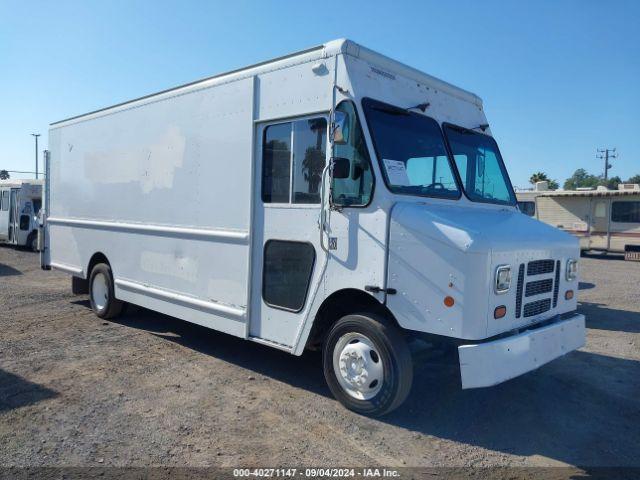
x=340 y=128
x=340 y=167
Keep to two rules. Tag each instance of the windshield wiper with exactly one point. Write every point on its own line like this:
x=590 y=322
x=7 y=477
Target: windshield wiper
x=391 y=110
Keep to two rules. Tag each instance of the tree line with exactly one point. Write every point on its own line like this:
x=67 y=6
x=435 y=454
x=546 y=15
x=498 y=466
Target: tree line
x=582 y=179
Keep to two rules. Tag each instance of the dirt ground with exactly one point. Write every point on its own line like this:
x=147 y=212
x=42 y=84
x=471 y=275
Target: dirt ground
x=151 y=390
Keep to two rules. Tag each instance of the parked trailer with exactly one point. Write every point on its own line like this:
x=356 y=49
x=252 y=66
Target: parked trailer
x=603 y=220
x=20 y=202
x=333 y=198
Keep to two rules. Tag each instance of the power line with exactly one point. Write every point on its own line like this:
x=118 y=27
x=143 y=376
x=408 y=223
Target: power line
x=606 y=154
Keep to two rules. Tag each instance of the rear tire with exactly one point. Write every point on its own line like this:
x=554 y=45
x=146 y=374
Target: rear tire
x=102 y=293
x=32 y=242
x=367 y=364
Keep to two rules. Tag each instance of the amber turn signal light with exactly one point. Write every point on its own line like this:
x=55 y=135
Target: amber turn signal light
x=448 y=301
x=568 y=295
x=500 y=311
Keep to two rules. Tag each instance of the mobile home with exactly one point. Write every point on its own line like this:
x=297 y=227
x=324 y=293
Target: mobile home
x=604 y=220
x=332 y=198
x=20 y=202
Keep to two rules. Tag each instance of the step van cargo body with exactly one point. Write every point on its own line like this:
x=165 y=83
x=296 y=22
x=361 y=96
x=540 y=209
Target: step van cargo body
x=333 y=198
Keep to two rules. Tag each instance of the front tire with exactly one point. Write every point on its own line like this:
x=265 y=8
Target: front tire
x=102 y=293
x=367 y=364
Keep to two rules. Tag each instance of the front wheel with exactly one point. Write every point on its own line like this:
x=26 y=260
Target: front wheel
x=102 y=293
x=367 y=364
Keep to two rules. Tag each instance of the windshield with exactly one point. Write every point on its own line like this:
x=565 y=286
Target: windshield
x=480 y=166
x=411 y=151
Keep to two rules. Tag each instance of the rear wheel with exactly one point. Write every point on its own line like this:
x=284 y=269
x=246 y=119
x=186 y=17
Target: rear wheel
x=32 y=242
x=102 y=293
x=367 y=364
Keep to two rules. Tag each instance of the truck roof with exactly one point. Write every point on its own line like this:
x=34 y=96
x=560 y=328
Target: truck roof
x=327 y=50
x=15 y=183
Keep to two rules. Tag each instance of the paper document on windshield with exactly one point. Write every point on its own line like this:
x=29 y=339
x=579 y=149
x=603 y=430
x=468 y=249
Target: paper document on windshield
x=396 y=172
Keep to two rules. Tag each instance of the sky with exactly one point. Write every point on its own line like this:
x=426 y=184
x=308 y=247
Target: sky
x=559 y=78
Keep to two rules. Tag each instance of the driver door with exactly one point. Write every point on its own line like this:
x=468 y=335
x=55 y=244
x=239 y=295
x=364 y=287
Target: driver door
x=287 y=255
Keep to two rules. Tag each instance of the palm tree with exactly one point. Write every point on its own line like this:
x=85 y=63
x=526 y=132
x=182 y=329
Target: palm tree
x=538 y=177
x=314 y=157
x=4 y=175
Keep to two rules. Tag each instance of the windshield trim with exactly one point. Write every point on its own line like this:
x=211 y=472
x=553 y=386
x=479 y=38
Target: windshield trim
x=503 y=167
x=390 y=188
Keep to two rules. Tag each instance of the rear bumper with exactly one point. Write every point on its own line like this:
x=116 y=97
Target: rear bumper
x=490 y=363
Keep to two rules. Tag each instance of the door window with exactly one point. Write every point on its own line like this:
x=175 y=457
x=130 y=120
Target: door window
x=356 y=190
x=276 y=163
x=293 y=158
x=5 y=200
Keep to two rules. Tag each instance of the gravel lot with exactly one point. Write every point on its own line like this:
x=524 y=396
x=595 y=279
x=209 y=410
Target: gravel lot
x=151 y=390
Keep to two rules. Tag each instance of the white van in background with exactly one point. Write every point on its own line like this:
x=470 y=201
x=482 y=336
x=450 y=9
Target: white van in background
x=332 y=198
x=20 y=202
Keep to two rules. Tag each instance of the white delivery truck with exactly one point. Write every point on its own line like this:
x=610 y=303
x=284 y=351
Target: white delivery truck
x=331 y=198
x=20 y=202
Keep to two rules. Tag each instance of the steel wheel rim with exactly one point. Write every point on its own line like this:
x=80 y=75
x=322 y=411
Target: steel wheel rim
x=100 y=291
x=357 y=365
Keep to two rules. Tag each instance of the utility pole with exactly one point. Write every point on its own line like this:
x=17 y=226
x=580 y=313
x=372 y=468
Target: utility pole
x=606 y=154
x=36 y=135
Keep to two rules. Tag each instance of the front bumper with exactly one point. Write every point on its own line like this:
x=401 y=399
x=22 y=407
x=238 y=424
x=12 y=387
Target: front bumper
x=490 y=363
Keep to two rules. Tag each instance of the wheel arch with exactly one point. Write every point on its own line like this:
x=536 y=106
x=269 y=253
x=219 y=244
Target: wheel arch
x=96 y=258
x=340 y=303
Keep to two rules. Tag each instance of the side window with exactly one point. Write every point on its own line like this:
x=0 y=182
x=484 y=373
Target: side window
x=287 y=273
x=309 y=157
x=293 y=157
x=625 y=212
x=5 y=200
x=37 y=204
x=356 y=190
x=276 y=163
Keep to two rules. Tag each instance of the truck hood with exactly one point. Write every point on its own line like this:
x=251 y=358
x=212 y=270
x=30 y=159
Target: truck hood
x=439 y=250
x=478 y=230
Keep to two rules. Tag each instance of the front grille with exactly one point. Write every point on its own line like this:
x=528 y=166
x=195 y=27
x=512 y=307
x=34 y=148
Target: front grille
x=528 y=286
x=538 y=287
x=556 y=286
x=519 y=291
x=537 y=307
x=540 y=267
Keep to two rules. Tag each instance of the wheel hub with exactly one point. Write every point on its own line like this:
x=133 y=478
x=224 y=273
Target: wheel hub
x=100 y=291
x=358 y=366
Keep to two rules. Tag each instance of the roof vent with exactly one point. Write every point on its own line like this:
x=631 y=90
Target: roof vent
x=629 y=187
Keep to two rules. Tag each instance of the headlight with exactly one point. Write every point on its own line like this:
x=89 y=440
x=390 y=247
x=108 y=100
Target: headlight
x=503 y=279
x=571 y=271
